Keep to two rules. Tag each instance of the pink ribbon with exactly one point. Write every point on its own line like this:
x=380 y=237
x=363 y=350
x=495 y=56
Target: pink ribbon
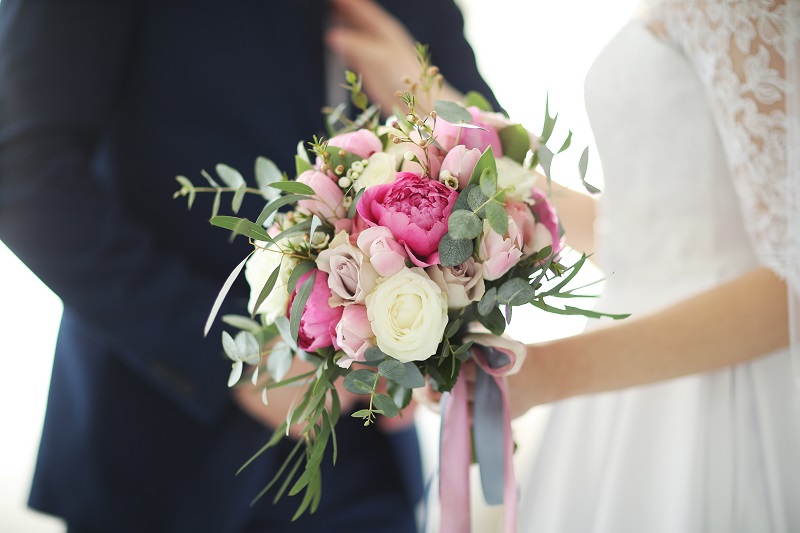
x=455 y=444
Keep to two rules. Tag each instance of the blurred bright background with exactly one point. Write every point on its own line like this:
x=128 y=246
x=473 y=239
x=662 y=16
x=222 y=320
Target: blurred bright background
x=526 y=49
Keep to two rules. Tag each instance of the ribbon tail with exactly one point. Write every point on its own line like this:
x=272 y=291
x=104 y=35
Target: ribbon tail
x=510 y=488
x=455 y=453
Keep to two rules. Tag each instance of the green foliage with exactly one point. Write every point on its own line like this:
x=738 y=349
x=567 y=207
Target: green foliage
x=476 y=99
x=298 y=304
x=497 y=217
x=516 y=142
x=485 y=161
x=464 y=224
x=268 y=286
x=452 y=251
x=452 y=112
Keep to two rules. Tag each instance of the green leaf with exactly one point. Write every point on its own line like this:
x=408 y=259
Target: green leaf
x=476 y=99
x=452 y=328
x=301 y=165
x=353 y=209
x=336 y=159
x=488 y=302
x=359 y=100
x=444 y=381
x=452 y=251
x=267 y=288
x=413 y=378
x=362 y=375
x=277 y=204
x=477 y=200
x=461 y=201
x=215 y=206
x=224 y=292
x=209 y=179
x=293 y=187
x=567 y=310
x=549 y=122
x=583 y=164
x=386 y=404
x=464 y=348
x=497 y=217
x=567 y=142
x=515 y=291
x=392 y=369
x=279 y=362
x=238 y=196
x=241 y=322
x=488 y=182
x=187 y=186
x=495 y=322
x=516 y=142
x=374 y=354
x=297 y=273
x=545 y=158
x=267 y=173
x=485 y=161
x=452 y=112
x=361 y=413
x=242 y=226
x=401 y=395
x=299 y=304
x=230 y=176
x=464 y=224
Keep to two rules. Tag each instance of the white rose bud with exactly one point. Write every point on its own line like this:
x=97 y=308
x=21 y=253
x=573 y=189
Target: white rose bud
x=258 y=270
x=381 y=169
x=408 y=314
x=512 y=174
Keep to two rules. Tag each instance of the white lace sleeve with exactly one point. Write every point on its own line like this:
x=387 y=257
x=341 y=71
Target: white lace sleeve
x=740 y=50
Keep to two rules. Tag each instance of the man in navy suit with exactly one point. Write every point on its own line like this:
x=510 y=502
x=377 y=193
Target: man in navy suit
x=102 y=103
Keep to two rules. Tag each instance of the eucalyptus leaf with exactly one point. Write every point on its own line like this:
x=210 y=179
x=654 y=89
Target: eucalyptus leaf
x=353 y=209
x=297 y=273
x=209 y=179
x=566 y=143
x=279 y=361
x=488 y=182
x=488 y=302
x=229 y=347
x=477 y=201
x=267 y=172
x=549 y=122
x=374 y=354
x=516 y=142
x=188 y=187
x=294 y=187
x=495 y=322
x=241 y=226
x=215 y=206
x=583 y=164
x=282 y=324
x=452 y=328
x=249 y=350
x=392 y=369
x=277 y=204
x=361 y=375
x=238 y=197
x=301 y=165
x=413 y=378
x=452 y=112
x=267 y=288
x=453 y=252
x=497 y=217
x=464 y=224
x=386 y=404
x=229 y=176
x=401 y=395
x=241 y=322
x=516 y=291
x=486 y=160
x=545 y=158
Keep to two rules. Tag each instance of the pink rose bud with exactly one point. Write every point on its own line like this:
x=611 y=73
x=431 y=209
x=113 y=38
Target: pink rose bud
x=354 y=334
x=460 y=162
x=546 y=214
x=318 y=321
x=387 y=256
x=362 y=143
x=327 y=204
x=449 y=135
x=522 y=216
x=499 y=252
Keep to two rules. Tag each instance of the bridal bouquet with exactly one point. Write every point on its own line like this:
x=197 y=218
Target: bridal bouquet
x=396 y=253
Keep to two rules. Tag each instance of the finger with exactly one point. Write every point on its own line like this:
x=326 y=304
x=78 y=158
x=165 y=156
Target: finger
x=366 y=16
x=356 y=47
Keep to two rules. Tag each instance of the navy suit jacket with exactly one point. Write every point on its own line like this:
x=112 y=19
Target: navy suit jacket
x=102 y=104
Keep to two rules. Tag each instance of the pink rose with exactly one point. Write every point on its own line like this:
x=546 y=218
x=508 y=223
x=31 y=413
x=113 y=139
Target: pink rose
x=499 y=253
x=385 y=254
x=352 y=226
x=447 y=135
x=328 y=203
x=350 y=276
x=318 y=322
x=362 y=143
x=354 y=334
x=460 y=162
x=415 y=209
x=462 y=283
x=546 y=214
x=522 y=216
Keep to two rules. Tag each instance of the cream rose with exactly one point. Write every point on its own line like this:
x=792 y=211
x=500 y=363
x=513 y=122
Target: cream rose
x=462 y=283
x=511 y=174
x=408 y=314
x=258 y=270
x=381 y=169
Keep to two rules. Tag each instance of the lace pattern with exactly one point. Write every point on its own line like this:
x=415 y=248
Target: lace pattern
x=740 y=50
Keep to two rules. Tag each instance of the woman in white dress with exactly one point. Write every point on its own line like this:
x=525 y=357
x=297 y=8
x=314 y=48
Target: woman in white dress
x=686 y=416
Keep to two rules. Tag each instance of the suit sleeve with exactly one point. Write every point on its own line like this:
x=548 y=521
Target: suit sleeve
x=62 y=65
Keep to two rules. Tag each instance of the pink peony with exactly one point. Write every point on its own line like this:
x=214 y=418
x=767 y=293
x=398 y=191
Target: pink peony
x=546 y=214
x=460 y=162
x=318 y=322
x=387 y=256
x=328 y=203
x=362 y=143
x=447 y=135
x=354 y=334
x=415 y=209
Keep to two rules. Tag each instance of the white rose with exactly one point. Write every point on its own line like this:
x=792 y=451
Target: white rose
x=258 y=270
x=408 y=314
x=512 y=174
x=381 y=169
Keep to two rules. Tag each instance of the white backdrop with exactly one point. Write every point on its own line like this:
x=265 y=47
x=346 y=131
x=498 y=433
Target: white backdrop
x=525 y=49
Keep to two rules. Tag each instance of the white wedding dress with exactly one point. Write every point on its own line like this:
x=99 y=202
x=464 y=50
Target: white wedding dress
x=693 y=153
